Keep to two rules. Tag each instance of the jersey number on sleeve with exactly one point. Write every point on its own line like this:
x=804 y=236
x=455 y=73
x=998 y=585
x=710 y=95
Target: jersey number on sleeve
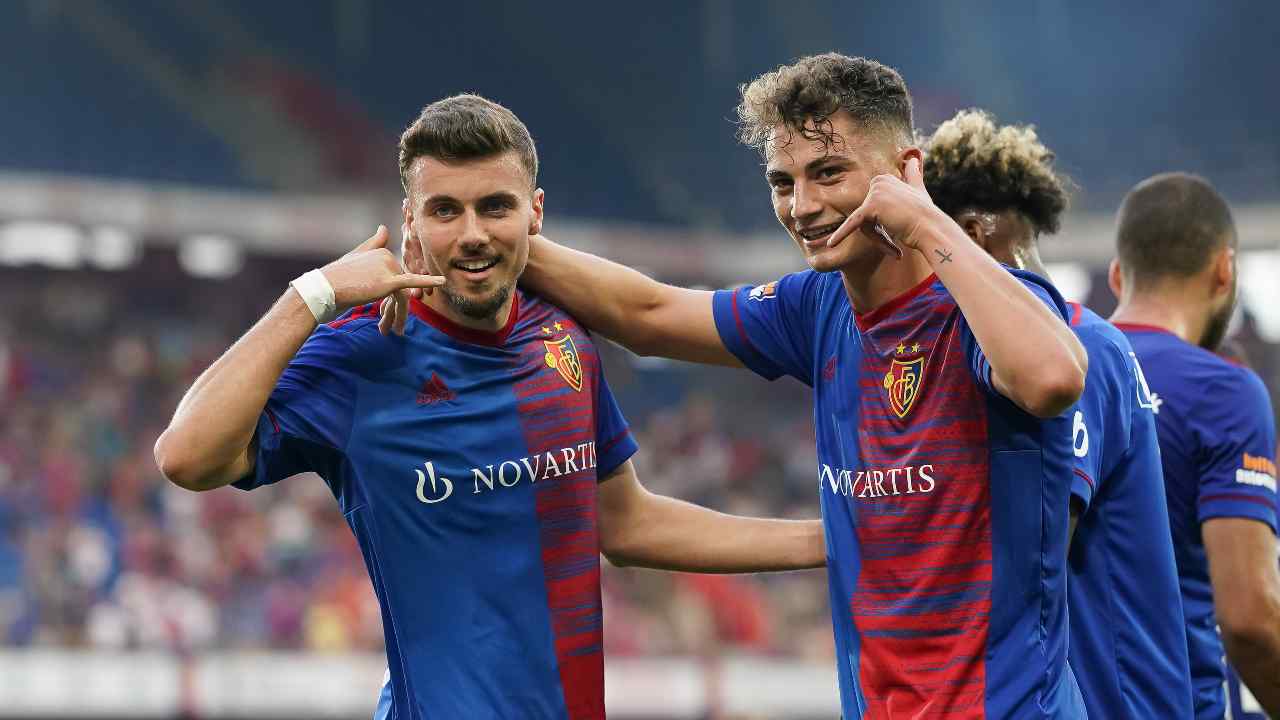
x=1079 y=435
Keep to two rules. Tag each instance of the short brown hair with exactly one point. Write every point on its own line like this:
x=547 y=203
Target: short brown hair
x=804 y=95
x=466 y=127
x=1170 y=225
x=971 y=163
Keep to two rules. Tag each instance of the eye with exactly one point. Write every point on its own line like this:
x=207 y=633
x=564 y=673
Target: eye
x=444 y=211
x=496 y=206
x=780 y=183
x=830 y=171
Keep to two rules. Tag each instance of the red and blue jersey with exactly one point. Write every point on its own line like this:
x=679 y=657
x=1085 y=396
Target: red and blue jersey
x=1217 y=450
x=945 y=506
x=466 y=464
x=1128 y=639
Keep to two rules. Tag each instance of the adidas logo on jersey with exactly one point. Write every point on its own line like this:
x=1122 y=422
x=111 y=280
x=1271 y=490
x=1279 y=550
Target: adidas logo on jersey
x=434 y=391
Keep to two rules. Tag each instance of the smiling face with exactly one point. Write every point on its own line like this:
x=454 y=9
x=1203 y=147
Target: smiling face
x=474 y=219
x=816 y=185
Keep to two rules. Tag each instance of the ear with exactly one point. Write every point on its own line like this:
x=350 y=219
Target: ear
x=535 y=222
x=1224 y=271
x=973 y=228
x=406 y=212
x=1115 y=279
x=906 y=154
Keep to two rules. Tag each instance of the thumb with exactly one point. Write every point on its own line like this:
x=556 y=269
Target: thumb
x=913 y=173
x=375 y=241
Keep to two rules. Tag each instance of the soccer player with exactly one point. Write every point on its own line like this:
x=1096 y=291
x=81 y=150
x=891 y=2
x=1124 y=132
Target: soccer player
x=479 y=457
x=1175 y=275
x=1128 y=642
x=939 y=379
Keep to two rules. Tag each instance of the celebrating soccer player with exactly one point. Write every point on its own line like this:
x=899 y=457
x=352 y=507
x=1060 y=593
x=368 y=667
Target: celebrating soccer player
x=478 y=457
x=1128 y=643
x=939 y=381
x=1175 y=275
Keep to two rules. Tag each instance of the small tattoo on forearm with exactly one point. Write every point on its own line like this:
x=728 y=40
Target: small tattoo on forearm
x=943 y=257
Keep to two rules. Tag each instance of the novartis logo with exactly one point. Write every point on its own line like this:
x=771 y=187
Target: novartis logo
x=433 y=487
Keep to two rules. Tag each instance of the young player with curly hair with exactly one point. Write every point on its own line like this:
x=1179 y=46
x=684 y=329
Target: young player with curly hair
x=1128 y=640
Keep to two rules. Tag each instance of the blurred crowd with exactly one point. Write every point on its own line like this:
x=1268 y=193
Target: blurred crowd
x=97 y=550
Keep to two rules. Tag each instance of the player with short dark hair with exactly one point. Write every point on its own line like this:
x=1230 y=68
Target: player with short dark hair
x=939 y=379
x=477 y=453
x=1128 y=640
x=1175 y=276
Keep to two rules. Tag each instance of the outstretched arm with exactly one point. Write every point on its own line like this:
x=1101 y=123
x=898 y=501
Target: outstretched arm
x=640 y=528
x=1036 y=361
x=1246 y=599
x=208 y=442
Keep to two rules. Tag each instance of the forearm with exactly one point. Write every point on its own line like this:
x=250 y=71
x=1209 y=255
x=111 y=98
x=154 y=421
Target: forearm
x=1033 y=354
x=643 y=315
x=215 y=421
x=670 y=534
x=1257 y=660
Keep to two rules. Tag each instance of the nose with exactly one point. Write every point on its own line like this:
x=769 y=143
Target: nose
x=804 y=202
x=473 y=235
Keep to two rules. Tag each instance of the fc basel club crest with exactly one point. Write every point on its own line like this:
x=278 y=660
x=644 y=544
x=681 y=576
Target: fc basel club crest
x=562 y=355
x=903 y=383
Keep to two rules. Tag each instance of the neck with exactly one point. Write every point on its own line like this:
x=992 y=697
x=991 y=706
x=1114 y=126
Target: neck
x=1167 y=309
x=880 y=279
x=439 y=302
x=1027 y=257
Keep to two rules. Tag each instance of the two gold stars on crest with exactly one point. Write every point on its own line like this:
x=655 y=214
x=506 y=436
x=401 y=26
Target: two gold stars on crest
x=547 y=331
x=902 y=348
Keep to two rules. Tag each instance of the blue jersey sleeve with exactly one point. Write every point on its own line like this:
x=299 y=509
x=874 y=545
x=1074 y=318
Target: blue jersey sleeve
x=1039 y=287
x=1236 y=431
x=1101 y=421
x=307 y=419
x=614 y=441
x=770 y=328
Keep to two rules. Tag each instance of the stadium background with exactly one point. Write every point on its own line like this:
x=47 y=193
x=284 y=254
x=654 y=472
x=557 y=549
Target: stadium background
x=165 y=169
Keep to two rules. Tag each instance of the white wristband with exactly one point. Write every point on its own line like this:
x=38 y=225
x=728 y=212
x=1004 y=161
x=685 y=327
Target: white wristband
x=317 y=293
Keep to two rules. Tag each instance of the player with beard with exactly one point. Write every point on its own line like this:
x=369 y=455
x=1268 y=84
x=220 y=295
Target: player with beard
x=1128 y=640
x=1175 y=276
x=477 y=453
x=939 y=378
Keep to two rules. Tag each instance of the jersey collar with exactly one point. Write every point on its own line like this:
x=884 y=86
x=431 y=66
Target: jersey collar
x=868 y=320
x=463 y=333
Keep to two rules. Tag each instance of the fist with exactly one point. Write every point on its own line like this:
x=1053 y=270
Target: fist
x=894 y=211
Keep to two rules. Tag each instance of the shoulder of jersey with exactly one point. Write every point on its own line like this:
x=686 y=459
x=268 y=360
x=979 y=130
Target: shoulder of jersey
x=1194 y=364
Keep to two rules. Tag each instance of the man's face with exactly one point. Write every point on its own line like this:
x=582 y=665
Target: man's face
x=815 y=186
x=474 y=219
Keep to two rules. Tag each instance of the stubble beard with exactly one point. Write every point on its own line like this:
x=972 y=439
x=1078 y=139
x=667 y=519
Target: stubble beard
x=478 y=309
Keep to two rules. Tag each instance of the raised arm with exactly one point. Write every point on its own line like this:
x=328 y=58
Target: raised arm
x=627 y=306
x=1246 y=600
x=640 y=528
x=208 y=443
x=1036 y=361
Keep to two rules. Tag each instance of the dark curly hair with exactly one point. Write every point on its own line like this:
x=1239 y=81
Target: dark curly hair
x=466 y=127
x=804 y=95
x=971 y=163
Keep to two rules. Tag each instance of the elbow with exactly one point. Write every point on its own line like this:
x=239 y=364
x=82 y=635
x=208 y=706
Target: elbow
x=1054 y=391
x=1251 y=629
x=176 y=464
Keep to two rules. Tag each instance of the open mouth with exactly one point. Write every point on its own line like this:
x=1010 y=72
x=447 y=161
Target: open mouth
x=475 y=268
x=818 y=235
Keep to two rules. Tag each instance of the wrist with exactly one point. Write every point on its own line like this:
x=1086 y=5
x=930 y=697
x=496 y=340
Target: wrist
x=317 y=294
x=937 y=237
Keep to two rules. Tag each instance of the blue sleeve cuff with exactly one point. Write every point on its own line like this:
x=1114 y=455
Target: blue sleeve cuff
x=614 y=453
x=266 y=443
x=733 y=334
x=1229 y=503
x=1082 y=486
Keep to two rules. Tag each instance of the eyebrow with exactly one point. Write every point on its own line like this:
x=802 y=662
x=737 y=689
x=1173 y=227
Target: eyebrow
x=505 y=195
x=812 y=165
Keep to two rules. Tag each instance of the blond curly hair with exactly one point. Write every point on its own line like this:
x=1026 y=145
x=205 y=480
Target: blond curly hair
x=971 y=163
